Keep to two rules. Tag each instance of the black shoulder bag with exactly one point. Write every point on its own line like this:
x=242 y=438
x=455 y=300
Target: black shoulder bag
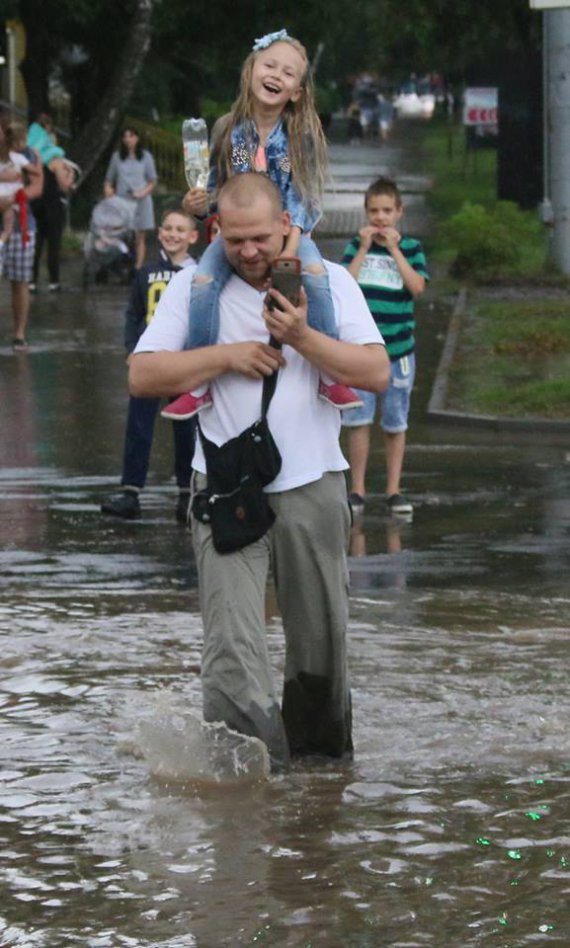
x=234 y=502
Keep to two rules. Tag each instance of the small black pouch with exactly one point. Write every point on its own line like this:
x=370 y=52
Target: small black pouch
x=234 y=502
x=240 y=517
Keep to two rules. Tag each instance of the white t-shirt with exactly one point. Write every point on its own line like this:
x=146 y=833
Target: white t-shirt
x=8 y=188
x=306 y=429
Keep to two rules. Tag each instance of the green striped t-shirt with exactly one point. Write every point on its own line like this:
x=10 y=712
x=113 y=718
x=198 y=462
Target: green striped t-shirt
x=389 y=300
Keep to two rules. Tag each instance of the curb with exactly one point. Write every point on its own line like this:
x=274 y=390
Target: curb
x=436 y=405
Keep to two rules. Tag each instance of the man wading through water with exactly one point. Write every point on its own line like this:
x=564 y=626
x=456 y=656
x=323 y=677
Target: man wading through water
x=306 y=546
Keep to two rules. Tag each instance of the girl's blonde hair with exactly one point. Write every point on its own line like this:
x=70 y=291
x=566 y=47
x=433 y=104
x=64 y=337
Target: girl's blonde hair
x=307 y=143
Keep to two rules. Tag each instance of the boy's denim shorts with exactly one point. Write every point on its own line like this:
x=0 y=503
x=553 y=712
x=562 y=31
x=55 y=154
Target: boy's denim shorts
x=395 y=401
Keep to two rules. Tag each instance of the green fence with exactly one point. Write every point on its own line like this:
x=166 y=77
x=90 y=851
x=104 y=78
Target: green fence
x=166 y=149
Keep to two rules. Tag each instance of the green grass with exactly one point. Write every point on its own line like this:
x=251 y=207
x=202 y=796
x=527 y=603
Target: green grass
x=514 y=359
x=459 y=175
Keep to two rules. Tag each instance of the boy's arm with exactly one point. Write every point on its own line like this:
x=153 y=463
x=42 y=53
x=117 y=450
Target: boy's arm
x=135 y=315
x=413 y=281
x=365 y=238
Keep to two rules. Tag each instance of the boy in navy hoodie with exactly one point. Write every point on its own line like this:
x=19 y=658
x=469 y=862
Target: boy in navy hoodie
x=176 y=234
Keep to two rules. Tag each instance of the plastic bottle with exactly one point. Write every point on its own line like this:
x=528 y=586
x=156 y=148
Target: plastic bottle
x=196 y=155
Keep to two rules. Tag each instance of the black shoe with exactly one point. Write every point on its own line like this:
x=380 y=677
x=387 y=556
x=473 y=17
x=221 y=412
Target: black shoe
x=125 y=505
x=356 y=501
x=399 y=505
x=182 y=505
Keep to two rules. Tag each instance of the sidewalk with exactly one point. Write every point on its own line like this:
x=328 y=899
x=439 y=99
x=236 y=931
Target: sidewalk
x=353 y=168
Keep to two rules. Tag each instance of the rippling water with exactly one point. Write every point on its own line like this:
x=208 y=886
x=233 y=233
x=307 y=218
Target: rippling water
x=450 y=828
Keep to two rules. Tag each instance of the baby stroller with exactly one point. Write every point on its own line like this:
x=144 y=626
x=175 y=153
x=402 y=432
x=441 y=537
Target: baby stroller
x=109 y=244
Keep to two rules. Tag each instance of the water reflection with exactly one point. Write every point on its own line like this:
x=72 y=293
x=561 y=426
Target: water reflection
x=378 y=572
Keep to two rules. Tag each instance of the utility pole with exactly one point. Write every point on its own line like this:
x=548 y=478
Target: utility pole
x=556 y=145
x=557 y=33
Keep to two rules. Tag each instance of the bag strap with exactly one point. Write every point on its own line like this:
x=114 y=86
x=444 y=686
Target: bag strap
x=269 y=382
x=269 y=385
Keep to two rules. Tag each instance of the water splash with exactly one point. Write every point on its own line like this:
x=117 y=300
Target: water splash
x=179 y=747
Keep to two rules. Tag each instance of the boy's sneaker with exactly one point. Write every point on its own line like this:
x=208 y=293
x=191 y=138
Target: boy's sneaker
x=125 y=505
x=182 y=508
x=339 y=396
x=399 y=505
x=186 y=406
x=19 y=345
x=54 y=287
x=356 y=501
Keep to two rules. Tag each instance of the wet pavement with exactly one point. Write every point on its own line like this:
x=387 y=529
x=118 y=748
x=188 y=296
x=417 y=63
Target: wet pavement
x=451 y=826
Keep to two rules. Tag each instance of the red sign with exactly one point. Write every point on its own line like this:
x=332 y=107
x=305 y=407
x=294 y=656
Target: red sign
x=477 y=116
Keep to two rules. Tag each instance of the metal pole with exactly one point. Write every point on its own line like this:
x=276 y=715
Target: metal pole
x=11 y=56
x=558 y=146
x=545 y=151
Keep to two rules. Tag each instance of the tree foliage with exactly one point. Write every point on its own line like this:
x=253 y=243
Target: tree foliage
x=197 y=48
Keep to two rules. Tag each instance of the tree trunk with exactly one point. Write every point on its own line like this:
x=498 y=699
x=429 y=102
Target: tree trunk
x=96 y=135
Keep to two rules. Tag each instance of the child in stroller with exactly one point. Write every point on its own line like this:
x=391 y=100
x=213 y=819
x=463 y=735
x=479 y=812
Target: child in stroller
x=109 y=245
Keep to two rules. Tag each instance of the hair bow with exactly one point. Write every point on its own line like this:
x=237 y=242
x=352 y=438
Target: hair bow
x=264 y=41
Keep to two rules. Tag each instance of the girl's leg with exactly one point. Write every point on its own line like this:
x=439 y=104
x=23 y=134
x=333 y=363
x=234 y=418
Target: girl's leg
x=64 y=174
x=20 y=307
x=321 y=316
x=208 y=281
x=211 y=276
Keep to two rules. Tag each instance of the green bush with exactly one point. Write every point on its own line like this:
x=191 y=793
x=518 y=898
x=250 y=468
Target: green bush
x=211 y=110
x=327 y=99
x=486 y=242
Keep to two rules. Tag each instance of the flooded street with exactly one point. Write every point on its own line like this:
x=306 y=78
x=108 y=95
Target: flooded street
x=450 y=828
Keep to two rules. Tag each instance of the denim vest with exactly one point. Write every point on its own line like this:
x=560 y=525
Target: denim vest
x=245 y=142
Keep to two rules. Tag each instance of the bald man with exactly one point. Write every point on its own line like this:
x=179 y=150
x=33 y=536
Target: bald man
x=306 y=546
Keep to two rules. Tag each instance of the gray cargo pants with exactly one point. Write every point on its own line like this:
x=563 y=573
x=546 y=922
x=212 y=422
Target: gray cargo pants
x=306 y=550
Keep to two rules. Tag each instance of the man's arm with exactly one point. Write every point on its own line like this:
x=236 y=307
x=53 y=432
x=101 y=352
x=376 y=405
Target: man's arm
x=162 y=374
x=162 y=367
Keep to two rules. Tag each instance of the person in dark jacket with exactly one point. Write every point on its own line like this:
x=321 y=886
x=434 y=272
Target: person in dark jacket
x=176 y=234
x=49 y=211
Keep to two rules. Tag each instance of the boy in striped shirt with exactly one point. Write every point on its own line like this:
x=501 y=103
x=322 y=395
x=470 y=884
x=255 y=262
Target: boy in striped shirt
x=391 y=272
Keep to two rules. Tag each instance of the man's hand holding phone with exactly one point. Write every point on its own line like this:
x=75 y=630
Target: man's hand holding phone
x=285 y=322
x=285 y=310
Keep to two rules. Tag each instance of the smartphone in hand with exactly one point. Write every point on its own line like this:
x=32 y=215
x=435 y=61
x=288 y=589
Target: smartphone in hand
x=286 y=277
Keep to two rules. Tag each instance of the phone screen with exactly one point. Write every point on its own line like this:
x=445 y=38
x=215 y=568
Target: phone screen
x=286 y=277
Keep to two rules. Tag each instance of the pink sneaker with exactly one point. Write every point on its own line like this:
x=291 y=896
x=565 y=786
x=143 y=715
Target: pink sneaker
x=186 y=406
x=339 y=396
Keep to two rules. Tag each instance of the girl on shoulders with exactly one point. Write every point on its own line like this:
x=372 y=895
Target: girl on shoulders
x=273 y=128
